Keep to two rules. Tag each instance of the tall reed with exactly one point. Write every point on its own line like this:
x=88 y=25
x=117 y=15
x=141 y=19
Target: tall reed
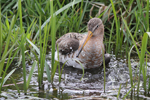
x=7 y=52
x=22 y=46
x=43 y=48
x=143 y=68
x=117 y=28
x=53 y=37
x=0 y=31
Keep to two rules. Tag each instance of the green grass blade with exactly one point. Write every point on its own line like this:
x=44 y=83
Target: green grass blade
x=5 y=53
x=60 y=72
x=20 y=14
x=31 y=73
x=40 y=74
x=0 y=33
x=137 y=24
x=8 y=5
x=59 y=4
x=147 y=15
x=82 y=13
x=117 y=28
x=110 y=37
x=54 y=69
x=46 y=34
x=48 y=72
x=56 y=13
x=119 y=92
x=143 y=50
x=130 y=3
x=34 y=46
x=130 y=68
x=24 y=66
x=8 y=75
x=7 y=23
x=125 y=23
x=3 y=58
x=46 y=65
x=141 y=14
x=61 y=19
x=53 y=34
x=10 y=57
x=22 y=46
x=38 y=8
x=16 y=85
x=129 y=91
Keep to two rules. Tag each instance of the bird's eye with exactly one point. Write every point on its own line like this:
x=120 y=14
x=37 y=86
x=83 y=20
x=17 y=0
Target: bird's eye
x=97 y=26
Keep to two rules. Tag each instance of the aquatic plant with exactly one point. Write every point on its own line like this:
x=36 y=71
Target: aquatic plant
x=7 y=52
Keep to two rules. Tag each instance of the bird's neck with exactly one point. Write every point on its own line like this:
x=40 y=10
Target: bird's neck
x=98 y=35
x=97 y=38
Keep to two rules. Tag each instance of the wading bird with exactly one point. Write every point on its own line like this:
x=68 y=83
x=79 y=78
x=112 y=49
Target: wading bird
x=85 y=48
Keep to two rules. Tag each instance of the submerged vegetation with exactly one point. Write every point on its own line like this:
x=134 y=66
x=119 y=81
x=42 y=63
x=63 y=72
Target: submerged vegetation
x=29 y=28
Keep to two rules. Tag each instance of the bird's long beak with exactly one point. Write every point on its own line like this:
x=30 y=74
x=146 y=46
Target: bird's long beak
x=90 y=34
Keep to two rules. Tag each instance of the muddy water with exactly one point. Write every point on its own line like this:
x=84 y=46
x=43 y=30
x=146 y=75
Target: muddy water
x=91 y=86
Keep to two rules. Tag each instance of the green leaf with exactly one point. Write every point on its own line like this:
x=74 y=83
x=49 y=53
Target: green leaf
x=7 y=23
x=56 y=13
x=31 y=73
x=8 y=75
x=34 y=46
x=129 y=91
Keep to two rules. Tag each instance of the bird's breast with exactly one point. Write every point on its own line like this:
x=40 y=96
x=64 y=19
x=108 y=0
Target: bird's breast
x=92 y=53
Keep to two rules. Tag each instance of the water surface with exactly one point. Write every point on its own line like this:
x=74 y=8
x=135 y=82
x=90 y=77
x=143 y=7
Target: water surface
x=91 y=86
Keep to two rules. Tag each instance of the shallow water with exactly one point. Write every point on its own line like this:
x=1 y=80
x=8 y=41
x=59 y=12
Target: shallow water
x=72 y=87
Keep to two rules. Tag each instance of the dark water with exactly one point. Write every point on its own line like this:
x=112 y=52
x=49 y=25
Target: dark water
x=72 y=87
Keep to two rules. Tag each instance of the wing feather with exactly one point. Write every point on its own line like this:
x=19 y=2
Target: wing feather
x=69 y=42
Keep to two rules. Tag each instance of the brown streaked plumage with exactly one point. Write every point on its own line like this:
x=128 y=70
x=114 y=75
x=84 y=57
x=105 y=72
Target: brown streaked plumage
x=87 y=48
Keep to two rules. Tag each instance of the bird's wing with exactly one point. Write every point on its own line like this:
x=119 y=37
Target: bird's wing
x=69 y=42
